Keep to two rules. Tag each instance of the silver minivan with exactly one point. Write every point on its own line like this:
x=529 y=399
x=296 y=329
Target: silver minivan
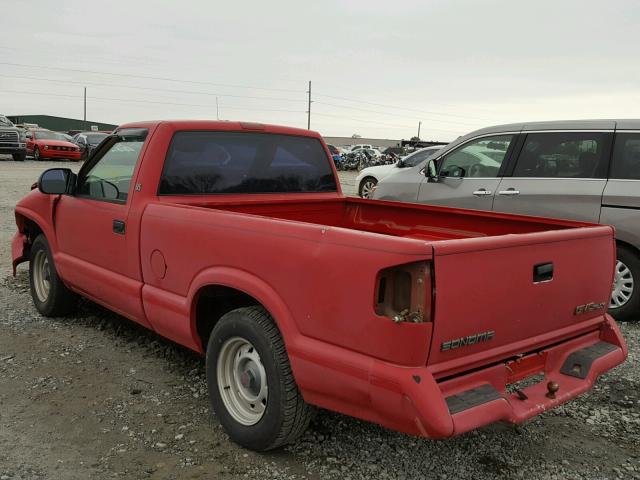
x=585 y=170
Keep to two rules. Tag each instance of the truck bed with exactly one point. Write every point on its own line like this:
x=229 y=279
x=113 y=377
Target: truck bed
x=396 y=219
x=483 y=266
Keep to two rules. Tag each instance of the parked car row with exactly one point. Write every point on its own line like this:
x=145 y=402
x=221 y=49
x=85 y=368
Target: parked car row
x=582 y=170
x=24 y=140
x=42 y=144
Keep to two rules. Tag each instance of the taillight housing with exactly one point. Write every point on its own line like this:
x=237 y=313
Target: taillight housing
x=404 y=293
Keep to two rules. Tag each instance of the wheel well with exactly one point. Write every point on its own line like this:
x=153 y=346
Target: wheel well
x=364 y=180
x=213 y=302
x=633 y=248
x=30 y=228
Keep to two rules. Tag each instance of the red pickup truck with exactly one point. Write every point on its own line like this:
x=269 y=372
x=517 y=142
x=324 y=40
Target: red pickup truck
x=235 y=240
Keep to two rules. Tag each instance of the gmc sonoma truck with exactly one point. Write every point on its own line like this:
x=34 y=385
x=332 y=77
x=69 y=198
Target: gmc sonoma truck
x=235 y=240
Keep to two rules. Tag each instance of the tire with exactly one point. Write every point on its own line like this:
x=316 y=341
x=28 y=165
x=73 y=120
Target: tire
x=36 y=154
x=625 y=299
x=50 y=295
x=247 y=341
x=365 y=190
x=19 y=157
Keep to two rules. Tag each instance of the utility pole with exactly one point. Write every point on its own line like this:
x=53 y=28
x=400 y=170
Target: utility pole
x=309 y=110
x=85 y=108
x=419 y=125
x=217 y=110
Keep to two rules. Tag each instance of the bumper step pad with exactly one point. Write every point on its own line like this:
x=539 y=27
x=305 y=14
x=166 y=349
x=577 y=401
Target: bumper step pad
x=579 y=362
x=472 y=398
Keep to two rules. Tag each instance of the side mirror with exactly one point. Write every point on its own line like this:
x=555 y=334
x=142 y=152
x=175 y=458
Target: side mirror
x=57 y=181
x=400 y=163
x=431 y=171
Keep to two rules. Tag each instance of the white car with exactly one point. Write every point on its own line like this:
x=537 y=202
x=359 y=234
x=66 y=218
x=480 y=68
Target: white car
x=369 y=177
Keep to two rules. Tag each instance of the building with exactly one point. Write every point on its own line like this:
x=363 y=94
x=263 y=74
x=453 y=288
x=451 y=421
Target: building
x=60 y=124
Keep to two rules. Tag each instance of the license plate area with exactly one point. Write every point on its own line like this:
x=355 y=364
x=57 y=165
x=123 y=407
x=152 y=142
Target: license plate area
x=525 y=367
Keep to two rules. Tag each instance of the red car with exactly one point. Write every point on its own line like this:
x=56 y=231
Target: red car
x=235 y=240
x=45 y=145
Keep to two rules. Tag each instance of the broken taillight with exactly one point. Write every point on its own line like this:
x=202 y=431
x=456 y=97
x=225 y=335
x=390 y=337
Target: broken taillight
x=404 y=293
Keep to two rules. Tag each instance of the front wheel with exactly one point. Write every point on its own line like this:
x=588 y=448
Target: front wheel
x=50 y=295
x=36 y=154
x=367 y=186
x=251 y=387
x=625 y=299
x=19 y=157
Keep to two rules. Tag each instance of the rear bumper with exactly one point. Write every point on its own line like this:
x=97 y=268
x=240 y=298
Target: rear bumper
x=412 y=401
x=480 y=398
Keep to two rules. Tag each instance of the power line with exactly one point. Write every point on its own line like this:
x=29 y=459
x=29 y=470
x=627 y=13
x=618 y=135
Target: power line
x=147 y=77
x=399 y=108
x=71 y=82
x=169 y=90
x=407 y=127
x=196 y=82
x=394 y=115
x=23 y=92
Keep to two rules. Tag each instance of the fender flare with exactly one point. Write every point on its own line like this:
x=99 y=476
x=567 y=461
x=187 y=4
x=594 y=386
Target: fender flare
x=46 y=227
x=20 y=241
x=249 y=284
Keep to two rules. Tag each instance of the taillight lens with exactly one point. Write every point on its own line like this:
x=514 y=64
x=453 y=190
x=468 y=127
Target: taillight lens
x=404 y=293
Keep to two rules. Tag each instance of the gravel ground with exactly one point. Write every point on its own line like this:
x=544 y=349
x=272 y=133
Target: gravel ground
x=96 y=396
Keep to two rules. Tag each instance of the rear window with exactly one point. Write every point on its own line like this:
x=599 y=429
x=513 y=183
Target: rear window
x=237 y=162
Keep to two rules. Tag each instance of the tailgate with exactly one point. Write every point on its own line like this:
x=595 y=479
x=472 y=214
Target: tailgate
x=496 y=297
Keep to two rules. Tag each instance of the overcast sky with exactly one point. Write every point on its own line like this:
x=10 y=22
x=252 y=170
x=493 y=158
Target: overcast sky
x=377 y=67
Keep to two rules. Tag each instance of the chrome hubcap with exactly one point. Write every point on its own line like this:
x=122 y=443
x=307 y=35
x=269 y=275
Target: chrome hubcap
x=36 y=154
x=622 y=286
x=367 y=188
x=242 y=381
x=41 y=276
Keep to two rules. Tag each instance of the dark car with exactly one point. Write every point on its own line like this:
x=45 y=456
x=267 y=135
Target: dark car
x=88 y=141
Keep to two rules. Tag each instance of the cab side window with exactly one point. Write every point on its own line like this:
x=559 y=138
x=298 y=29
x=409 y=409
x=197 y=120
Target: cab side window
x=626 y=157
x=109 y=179
x=564 y=155
x=479 y=158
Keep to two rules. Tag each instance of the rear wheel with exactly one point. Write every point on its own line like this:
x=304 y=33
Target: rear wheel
x=50 y=296
x=251 y=387
x=19 y=157
x=625 y=298
x=367 y=186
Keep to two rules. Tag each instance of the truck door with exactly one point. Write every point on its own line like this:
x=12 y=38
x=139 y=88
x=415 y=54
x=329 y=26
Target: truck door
x=559 y=175
x=98 y=252
x=469 y=175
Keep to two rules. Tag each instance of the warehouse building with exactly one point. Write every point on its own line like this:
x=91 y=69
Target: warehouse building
x=60 y=124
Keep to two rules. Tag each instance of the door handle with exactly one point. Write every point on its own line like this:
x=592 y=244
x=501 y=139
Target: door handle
x=118 y=227
x=509 y=191
x=482 y=192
